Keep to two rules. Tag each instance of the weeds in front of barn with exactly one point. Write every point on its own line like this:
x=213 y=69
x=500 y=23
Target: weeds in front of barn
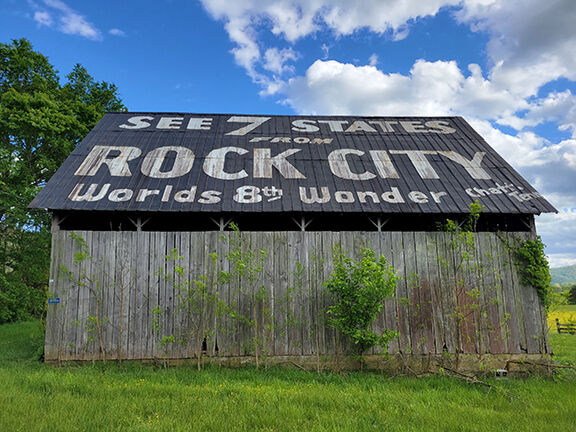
x=134 y=397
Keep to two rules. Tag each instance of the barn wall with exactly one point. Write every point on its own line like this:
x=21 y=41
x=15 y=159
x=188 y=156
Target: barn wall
x=120 y=296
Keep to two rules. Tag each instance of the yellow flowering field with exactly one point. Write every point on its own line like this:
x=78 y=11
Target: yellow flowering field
x=565 y=313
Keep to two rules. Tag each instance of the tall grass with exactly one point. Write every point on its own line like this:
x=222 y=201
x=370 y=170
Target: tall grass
x=133 y=397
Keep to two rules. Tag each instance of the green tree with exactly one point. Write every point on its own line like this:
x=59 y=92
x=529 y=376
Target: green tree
x=572 y=295
x=41 y=121
x=358 y=290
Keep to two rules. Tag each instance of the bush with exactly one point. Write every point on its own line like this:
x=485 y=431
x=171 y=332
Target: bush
x=358 y=290
x=572 y=295
x=19 y=302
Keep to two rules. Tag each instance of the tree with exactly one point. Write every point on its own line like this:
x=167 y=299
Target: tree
x=358 y=290
x=41 y=121
x=572 y=295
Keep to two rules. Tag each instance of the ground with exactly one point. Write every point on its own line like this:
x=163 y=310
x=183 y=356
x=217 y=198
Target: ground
x=133 y=397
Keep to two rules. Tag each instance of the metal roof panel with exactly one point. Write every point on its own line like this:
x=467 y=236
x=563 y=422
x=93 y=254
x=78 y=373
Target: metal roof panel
x=146 y=162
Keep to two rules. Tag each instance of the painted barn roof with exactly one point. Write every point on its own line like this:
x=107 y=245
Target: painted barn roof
x=174 y=162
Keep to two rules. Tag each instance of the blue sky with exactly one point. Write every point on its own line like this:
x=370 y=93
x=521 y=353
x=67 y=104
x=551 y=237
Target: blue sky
x=507 y=66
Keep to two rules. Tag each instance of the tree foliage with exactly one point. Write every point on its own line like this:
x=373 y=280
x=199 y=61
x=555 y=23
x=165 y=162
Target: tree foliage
x=358 y=290
x=572 y=295
x=533 y=267
x=41 y=121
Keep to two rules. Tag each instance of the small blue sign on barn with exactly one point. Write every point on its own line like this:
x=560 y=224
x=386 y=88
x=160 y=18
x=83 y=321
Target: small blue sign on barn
x=53 y=300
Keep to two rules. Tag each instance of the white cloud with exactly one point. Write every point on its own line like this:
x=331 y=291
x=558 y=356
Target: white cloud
x=116 y=32
x=373 y=60
x=531 y=43
x=69 y=21
x=275 y=60
x=43 y=18
x=295 y=19
x=431 y=88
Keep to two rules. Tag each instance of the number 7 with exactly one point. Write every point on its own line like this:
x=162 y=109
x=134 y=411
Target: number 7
x=254 y=123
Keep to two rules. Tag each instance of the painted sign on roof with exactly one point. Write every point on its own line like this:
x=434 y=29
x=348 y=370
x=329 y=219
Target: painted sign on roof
x=242 y=163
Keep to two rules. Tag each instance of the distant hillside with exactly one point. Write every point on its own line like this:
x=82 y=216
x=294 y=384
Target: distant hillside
x=563 y=275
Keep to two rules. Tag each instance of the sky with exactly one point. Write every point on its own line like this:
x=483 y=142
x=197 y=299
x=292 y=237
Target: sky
x=507 y=66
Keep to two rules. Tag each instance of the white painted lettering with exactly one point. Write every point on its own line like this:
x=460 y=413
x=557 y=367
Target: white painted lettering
x=214 y=163
x=209 y=197
x=90 y=194
x=247 y=195
x=413 y=126
x=383 y=164
x=322 y=140
x=335 y=125
x=393 y=196
x=304 y=126
x=418 y=159
x=340 y=167
x=153 y=162
x=418 y=197
x=137 y=122
x=199 y=124
x=186 y=195
x=170 y=123
x=360 y=126
x=471 y=166
x=259 y=139
x=263 y=163
x=167 y=193
x=117 y=165
x=286 y=140
x=344 y=197
x=438 y=126
x=437 y=195
x=143 y=193
x=386 y=126
x=254 y=122
x=314 y=198
x=120 y=195
x=363 y=194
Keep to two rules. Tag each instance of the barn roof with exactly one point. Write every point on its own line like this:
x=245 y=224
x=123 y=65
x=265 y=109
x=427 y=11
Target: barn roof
x=175 y=162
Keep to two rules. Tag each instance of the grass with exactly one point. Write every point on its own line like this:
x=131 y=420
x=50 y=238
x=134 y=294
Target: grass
x=565 y=313
x=563 y=345
x=133 y=397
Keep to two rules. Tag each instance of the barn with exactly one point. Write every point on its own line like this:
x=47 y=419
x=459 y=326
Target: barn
x=208 y=237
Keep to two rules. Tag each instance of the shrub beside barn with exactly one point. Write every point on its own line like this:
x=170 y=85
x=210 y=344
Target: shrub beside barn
x=145 y=264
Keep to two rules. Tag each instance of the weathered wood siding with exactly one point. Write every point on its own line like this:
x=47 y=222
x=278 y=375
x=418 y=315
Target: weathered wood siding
x=124 y=297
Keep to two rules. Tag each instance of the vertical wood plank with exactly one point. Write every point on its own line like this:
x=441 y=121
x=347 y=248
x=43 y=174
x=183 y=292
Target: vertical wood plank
x=402 y=299
x=295 y=282
x=390 y=313
x=281 y=293
x=425 y=310
x=518 y=295
x=436 y=297
x=415 y=319
x=493 y=289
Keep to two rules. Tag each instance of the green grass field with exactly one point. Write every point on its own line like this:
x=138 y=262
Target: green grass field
x=132 y=397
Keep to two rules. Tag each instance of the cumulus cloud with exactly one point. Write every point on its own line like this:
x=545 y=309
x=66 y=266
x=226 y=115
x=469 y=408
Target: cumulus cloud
x=530 y=43
x=291 y=20
x=431 y=88
x=66 y=20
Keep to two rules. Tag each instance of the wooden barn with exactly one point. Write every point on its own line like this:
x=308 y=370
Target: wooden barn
x=208 y=237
